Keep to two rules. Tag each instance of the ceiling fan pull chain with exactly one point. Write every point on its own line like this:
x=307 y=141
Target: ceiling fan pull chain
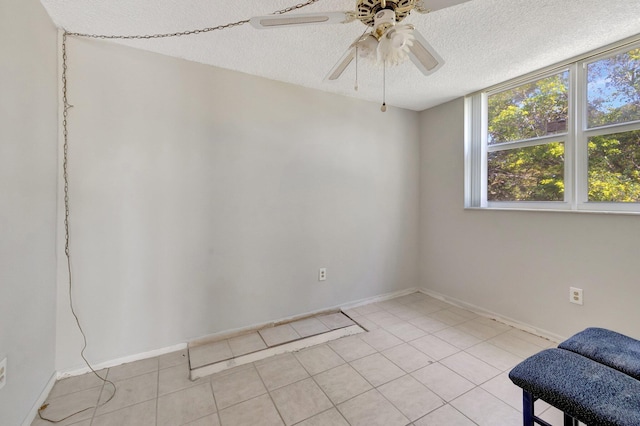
x=383 y=108
x=356 y=85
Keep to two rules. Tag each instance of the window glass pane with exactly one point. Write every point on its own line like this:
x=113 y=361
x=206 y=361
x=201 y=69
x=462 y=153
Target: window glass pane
x=527 y=174
x=614 y=167
x=532 y=110
x=613 y=89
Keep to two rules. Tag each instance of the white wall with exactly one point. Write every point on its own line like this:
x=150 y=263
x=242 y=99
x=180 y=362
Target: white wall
x=28 y=161
x=205 y=200
x=521 y=264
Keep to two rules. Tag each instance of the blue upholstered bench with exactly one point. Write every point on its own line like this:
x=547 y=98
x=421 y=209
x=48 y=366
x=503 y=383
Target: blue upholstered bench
x=584 y=389
x=607 y=347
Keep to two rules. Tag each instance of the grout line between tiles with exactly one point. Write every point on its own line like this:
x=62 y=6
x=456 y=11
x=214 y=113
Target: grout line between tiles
x=261 y=338
x=355 y=396
x=268 y=393
x=158 y=393
x=462 y=414
x=240 y=402
x=391 y=402
x=484 y=390
x=325 y=395
x=215 y=401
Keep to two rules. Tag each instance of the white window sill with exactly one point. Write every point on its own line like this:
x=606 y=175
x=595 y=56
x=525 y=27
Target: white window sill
x=551 y=210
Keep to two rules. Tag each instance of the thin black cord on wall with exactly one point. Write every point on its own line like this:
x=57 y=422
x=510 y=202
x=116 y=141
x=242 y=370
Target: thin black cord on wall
x=67 y=251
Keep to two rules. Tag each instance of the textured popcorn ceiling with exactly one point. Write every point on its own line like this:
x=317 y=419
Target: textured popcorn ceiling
x=483 y=42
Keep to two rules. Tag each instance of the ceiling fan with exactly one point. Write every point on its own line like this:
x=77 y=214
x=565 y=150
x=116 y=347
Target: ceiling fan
x=387 y=41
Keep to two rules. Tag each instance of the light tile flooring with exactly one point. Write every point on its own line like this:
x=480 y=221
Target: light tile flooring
x=423 y=362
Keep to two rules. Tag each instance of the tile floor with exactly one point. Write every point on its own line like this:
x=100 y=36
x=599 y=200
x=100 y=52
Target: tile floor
x=423 y=362
x=222 y=350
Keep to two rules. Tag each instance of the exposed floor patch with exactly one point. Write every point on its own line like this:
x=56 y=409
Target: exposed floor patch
x=219 y=355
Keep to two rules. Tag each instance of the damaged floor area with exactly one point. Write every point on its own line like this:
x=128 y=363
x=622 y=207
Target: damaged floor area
x=207 y=358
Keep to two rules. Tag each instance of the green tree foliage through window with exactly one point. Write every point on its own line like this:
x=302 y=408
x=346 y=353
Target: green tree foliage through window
x=614 y=167
x=527 y=174
x=533 y=110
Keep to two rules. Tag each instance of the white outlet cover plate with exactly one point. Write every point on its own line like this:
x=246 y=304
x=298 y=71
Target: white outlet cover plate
x=575 y=295
x=322 y=274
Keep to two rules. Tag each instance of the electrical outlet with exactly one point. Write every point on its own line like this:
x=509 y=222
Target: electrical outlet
x=575 y=295
x=3 y=373
x=322 y=274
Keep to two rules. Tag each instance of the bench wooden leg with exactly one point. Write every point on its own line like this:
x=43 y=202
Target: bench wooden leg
x=570 y=421
x=528 y=414
x=527 y=408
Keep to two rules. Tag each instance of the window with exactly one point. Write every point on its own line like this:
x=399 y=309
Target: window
x=527 y=128
x=568 y=138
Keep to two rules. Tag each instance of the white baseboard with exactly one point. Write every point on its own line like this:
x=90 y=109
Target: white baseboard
x=123 y=360
x=492 y=315
x=41 y=399
x=380 y=298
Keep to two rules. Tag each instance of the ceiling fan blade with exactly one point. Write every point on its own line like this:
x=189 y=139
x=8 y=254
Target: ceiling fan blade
x=274 y=21
x=423 y=55
x=342 y=64
x=426 y=6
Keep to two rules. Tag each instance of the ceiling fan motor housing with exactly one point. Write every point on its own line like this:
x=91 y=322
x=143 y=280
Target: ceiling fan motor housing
x=367 y=10
x=384 y=20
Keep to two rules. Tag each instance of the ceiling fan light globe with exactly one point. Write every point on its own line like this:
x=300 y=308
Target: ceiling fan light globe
x=367 y=48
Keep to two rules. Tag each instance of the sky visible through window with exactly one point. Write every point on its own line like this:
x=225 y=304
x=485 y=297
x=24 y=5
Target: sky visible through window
x=613 y=86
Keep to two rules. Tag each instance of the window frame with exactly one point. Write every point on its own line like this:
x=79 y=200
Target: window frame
x=575 y=139
x=583 y=133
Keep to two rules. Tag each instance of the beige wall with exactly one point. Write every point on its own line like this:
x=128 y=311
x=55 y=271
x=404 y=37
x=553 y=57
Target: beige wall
x=28 y=161
x=205 y=200
x=520 y=264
